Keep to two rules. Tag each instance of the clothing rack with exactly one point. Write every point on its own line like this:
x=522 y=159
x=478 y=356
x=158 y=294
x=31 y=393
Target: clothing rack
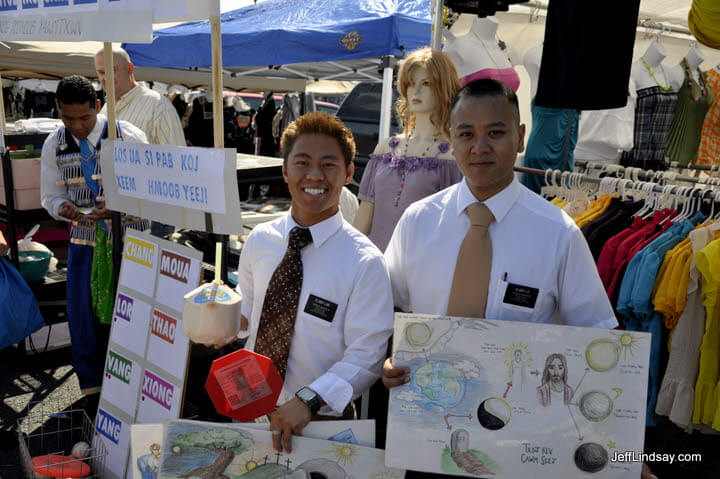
x=712 y=169
x=627 y=183
x=637 y=173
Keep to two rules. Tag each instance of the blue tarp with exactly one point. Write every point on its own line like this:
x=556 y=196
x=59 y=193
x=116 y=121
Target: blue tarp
x=278 y=32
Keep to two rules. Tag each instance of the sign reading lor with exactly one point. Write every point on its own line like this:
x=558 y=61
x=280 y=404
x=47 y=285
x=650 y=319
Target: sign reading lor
x=179 y=176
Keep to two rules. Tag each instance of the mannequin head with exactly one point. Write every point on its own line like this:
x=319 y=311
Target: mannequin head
x=438 y=70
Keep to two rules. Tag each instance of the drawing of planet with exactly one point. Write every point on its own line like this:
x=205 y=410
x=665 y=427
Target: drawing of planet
x=595 y=406
x=494 y=413
x=440 y=385
x=590 y=457
x=602 y=354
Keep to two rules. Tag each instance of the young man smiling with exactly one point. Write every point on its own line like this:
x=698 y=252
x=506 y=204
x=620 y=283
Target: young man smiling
x=315 y=290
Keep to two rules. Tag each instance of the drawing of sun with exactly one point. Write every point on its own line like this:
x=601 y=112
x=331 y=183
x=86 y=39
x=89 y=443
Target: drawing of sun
x=626 y=342
x=250 y=465
x=417 y=334
x=345 y=453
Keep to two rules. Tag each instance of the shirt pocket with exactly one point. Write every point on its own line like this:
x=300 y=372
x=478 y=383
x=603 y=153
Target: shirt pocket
x=509 y=309
x=319 y=313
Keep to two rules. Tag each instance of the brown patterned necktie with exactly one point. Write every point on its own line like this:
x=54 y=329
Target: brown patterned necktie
x=277 y=319
x=468 y=295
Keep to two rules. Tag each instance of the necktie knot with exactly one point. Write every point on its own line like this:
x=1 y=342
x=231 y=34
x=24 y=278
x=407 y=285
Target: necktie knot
x=480 y=214
x=299 y=238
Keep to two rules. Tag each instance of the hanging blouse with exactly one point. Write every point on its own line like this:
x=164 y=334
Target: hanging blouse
x=694 y=99
x=707 y=263
x=393 y=181
x=507 y=76
x=677 y=392
x=551 y=143
x=654 y=112
x=709 y=150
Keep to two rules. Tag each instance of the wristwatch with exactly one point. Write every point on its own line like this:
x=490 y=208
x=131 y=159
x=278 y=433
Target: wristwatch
x=310 y=398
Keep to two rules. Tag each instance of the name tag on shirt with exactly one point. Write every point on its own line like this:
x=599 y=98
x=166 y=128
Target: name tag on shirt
x=321 y=308
x=517 y=295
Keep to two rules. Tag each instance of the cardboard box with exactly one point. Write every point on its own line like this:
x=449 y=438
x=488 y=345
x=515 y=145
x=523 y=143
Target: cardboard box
x=26 y=178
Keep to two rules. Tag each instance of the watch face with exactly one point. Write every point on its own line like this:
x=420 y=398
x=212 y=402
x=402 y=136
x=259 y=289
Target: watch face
x=306 y=394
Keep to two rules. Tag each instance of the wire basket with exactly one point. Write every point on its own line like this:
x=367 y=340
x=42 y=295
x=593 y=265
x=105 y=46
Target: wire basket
x=42 y=432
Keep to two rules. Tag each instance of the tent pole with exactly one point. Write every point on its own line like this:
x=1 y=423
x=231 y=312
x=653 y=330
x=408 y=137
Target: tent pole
x=218 y=126
x=436 y=13
x=109 y=60
x=386 y=98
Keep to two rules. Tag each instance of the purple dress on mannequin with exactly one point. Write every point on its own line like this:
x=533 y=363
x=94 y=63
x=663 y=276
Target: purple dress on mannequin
x=393 y=181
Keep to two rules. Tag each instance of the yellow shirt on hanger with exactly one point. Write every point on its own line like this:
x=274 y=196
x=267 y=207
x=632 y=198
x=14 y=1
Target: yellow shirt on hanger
x=594 y=211
x=706 y=390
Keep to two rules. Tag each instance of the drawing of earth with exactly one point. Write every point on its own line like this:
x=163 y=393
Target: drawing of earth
x=441 y=384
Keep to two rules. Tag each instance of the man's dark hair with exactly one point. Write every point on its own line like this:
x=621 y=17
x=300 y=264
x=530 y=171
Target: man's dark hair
x=487 y=87
x=76 y=90
x=322 y=124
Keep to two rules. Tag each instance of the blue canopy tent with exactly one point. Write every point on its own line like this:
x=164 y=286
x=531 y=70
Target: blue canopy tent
x=322 y=39
x=310 y=39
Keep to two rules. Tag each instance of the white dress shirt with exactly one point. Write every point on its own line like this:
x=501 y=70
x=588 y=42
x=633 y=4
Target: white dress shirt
x=338 y=359
x=535 y=245
x=53 y=195
x=152 y=113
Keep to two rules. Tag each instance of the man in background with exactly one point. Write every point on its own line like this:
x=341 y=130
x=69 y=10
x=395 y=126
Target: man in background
x=147 y=109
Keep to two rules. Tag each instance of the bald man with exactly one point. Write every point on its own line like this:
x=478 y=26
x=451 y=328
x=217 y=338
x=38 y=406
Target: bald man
x=142 y=107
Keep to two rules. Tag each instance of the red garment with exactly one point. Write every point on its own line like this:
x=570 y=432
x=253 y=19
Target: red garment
x=607 y=254
x=635 y=243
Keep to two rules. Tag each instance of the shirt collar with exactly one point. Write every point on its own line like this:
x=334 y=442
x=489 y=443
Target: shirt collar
x=320 y=232
x=126 y=97
x=95 y=133
x=499 y=204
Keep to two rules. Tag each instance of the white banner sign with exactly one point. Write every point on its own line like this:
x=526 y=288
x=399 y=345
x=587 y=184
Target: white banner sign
x=181 y=176
x=97 y=20
x=173 y=185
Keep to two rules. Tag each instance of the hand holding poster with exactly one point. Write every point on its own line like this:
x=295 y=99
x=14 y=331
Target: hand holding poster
x=508 y=399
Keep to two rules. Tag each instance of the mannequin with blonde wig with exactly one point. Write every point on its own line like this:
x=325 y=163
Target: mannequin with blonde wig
x=418 y=162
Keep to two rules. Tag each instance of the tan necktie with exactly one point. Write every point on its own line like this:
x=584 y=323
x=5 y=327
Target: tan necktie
x=468 y=296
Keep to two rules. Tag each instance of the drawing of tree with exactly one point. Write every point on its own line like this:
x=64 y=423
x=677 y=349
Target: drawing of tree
x=226 y=443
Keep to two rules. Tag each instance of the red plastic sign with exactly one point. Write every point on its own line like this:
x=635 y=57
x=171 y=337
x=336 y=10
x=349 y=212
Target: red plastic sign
x=244 y=385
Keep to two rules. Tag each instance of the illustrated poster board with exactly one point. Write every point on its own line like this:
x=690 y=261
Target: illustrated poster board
x=173 y=184
x=508 y=399
x=147 y=440
x=147 y=356
x=242 y=451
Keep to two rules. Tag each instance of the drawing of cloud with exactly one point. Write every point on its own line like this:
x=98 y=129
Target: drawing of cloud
x=409 y=396
x=468 y=368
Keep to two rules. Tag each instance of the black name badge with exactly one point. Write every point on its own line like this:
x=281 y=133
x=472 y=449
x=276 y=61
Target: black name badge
x=321 y=308
x=517 y=295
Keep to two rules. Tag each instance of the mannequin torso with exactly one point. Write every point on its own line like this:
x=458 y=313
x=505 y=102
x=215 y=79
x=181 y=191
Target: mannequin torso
x=694 y=58
x=648 y=71
x=478 y=55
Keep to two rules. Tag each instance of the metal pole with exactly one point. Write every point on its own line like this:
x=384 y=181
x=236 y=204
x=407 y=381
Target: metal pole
x=436 y=13
x=386 y=99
